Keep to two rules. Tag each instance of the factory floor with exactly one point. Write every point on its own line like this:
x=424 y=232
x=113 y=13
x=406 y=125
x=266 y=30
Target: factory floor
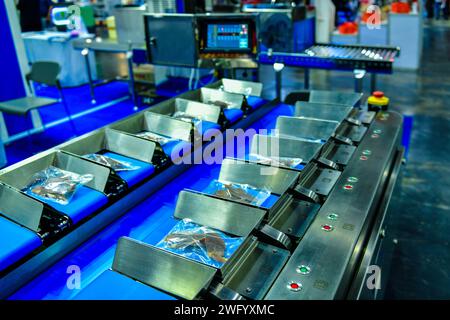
x=417 y=240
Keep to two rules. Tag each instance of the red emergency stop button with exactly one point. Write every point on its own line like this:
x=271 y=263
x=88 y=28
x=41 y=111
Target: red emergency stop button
x=378 y=94
x=327 y=227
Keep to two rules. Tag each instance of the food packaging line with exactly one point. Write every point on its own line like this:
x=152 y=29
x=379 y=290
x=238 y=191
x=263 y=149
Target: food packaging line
x=302 y=207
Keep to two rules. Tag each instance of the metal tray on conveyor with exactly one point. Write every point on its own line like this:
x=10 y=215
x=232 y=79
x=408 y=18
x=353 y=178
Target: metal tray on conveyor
x=323 y=111
x=87 y=199
x=275 y=146
x=194 y=109
x=305 y=128
x=251 y=91
x=182 y=132
x=120 y=146
x=248 y=273
x=286 y=212
x=233 y=105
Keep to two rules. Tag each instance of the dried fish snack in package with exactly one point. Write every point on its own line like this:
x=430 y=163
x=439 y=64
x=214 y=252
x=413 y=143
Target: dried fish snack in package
x=180 y=115
x=199 y=243
x=238 y=192
x=158 y=138
x=56 y=185
x=114 y=164
x=285 y=162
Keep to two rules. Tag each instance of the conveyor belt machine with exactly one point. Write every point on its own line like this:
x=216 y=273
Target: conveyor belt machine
x=296 y=217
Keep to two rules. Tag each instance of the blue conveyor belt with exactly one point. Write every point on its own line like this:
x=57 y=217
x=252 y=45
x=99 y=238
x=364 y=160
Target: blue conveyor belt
x=16 y=242
x=133 y=177
x=124 y=289
x=85 y=201
x=149 y=222
x=255 y=102
x=233 y=115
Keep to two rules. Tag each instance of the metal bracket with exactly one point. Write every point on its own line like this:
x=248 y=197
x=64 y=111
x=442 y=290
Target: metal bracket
x=274 y=236
x=306 y=194
x=327 y=163
x=354 y=121
x=342 y=139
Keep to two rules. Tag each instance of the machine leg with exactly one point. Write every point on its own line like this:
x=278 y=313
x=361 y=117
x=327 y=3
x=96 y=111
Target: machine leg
x=131 y=83
x=306 y=83
x=359 y=75
x=278 y=67
x=85 y=53
x=373 y=82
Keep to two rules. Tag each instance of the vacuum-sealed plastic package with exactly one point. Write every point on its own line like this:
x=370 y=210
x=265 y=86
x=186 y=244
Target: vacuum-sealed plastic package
x=200 y=243
x=301 y=139
x=112 y=163
x=238 y=192
x=56 y=185
x=222 y=104
x=158 y=138
x=285 y=162
x=180 y=115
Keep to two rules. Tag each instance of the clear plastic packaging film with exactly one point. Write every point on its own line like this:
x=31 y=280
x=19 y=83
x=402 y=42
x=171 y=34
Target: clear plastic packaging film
x=56 y=185
x=220 y=103
x=238 y=192
x=200 y=243
x=110 y=162
x=180 y=115
x=155 y=137
x=285 y=162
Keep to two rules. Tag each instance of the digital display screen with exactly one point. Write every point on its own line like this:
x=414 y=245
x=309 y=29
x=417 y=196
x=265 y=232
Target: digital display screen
x=227 y=37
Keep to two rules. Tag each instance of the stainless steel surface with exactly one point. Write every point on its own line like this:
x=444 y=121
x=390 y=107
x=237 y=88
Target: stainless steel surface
x=20 y=208
x=209 y=96
x=168 y=126
x=161 y=269
x=305 y=128
x=163 y=50
x=294 y=217
x=325 y=181
x=274 y=236
x=327 y=254
x=272 y=146
x=258 y=271
x=130 y=24
x=338 y=153
x=354 y=133
x=230 y=217
x=358 y=287
x=20 y=176
x=325 y=111
x=114 y=141
x=276 y=180
x=198 y=110
x=366 y=117
x=157 y=123
x=347 y=98
x=246 y=88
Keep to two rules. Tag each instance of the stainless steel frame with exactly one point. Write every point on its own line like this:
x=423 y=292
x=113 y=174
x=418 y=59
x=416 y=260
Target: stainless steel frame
x=335 y=241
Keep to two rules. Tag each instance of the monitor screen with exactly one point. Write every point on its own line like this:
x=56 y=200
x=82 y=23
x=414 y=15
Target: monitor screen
x=223 y=37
